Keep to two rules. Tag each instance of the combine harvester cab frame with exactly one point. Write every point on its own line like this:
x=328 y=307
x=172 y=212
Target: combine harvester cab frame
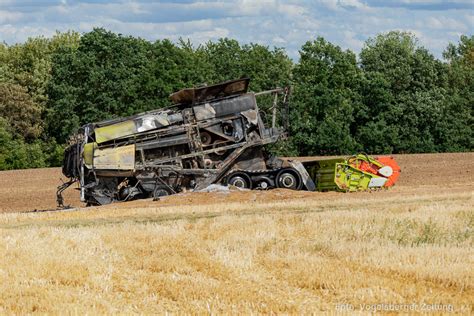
x=210 y=135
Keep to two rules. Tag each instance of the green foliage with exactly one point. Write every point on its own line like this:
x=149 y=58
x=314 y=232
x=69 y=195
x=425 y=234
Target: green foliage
x=99 y=79
x=407 y=104
x=396 y=97
x=455 y=127
x=15 y=153
x=25 y=72
x=29 y=64
x=21 y=112
x=228 y=60
x=325 y=98
x=463 y=52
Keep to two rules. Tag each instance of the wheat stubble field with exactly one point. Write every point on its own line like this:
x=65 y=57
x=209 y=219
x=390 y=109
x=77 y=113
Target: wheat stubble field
x=240 y=252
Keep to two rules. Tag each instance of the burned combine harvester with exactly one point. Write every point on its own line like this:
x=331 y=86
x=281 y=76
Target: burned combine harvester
x=211 y=134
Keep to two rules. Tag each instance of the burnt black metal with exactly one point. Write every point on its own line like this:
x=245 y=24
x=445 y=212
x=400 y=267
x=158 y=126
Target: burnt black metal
x=209 y=134
x=204 y=93
x=60 y=190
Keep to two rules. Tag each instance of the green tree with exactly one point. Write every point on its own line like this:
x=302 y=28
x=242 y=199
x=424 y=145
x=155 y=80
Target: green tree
x=99 y=79
x=455 y=127
x=110 y=75
x=29 y=64
x=6 y=141
x=20 y=111
x=25 y=72
x=225 y=58
x=398 y=98
x=325 y=98
x=172 y=67
x=402 y=94
x=267 y=68
x=16 y=154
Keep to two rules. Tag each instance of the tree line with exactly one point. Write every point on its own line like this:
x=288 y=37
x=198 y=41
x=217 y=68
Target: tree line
x=394 y=97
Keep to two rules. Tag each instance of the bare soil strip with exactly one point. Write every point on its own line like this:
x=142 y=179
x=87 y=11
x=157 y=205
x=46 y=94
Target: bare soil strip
x=34 y=189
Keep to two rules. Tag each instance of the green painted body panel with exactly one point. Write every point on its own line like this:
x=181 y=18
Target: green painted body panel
x=106 y=133
x=88 y=153
x=119 y=158
x=337 y=175
x=350 y=179
x=322 y=172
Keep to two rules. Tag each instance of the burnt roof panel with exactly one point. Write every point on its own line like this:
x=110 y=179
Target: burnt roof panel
x=207 y=93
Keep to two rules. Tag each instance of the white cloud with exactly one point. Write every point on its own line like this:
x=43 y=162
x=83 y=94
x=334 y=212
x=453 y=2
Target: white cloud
x=201 y=37
x=251 y=7
x=330 y=4
x=440 y=23
x=137 y=8
x=343 y=4
x=350 y=38
x=292 y=10
x=352 y=3
x=278 y=40
x=433 y=1
x=10 y=17
x=22 y=33
x=469 y=18
x=287 y=23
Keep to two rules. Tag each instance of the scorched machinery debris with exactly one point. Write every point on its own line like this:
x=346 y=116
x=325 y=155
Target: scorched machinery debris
x=210 y=134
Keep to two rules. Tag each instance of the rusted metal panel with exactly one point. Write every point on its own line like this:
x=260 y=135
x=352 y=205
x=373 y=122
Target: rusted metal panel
x=138 y=124
x=201 y=94
x=251 y=116
x=120 y=158
x=204 y=112
x=225 y=107
x=88 y=154
x=115 y=131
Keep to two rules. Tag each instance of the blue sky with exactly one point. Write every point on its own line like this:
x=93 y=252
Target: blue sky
x=281 y=23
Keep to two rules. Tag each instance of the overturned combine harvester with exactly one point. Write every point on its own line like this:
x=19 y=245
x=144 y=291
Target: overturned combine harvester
x=211 y=134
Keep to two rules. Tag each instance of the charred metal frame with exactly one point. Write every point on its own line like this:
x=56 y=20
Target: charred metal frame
x=173 y=157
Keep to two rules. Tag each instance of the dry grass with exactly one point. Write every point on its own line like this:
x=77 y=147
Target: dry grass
x=299 y=255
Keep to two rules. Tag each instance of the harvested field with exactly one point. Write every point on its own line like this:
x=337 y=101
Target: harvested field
x=276 y=251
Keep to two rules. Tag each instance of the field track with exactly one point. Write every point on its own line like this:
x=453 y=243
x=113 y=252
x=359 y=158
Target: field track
x=274 y=251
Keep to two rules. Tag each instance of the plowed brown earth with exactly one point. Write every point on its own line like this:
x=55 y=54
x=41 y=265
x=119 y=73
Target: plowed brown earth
x=34 y=189
x=408 y=249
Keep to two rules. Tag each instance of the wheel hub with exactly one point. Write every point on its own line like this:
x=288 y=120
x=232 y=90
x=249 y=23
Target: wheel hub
x=287 y=180
x=239 y=182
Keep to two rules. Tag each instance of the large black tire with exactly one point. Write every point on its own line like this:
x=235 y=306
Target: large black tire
x=240 y=180
x=289 y=178
x=160 y=191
